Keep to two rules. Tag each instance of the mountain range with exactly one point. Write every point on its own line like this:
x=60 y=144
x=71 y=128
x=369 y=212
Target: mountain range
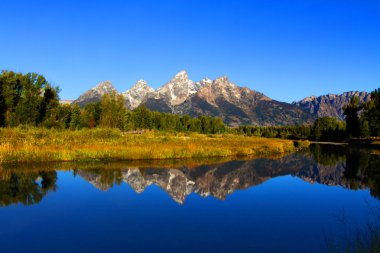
x=327 y=165
x=331 y=105
x=222 y=98
x=220 y=180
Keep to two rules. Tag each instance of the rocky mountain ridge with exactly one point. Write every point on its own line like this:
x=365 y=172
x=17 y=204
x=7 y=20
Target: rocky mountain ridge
x=219 y=98
x=95 y=94
x=136 y=94
x=331 y=105
x=222 y=98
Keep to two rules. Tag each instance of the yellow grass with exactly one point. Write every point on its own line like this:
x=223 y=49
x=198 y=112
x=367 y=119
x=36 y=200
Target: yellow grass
x=38 y=145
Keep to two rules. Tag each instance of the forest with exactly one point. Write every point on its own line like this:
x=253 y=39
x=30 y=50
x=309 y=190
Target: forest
x=30 y=100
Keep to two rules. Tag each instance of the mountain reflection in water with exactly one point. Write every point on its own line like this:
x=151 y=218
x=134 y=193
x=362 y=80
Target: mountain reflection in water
x=324 y=164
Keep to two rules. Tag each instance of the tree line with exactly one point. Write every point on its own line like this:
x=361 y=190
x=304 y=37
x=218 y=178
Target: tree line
x=28 y=99
x=323 y=129
x=110 y=112
x=362 y=120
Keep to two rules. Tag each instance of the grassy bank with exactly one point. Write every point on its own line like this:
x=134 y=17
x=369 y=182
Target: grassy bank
x=38 y=145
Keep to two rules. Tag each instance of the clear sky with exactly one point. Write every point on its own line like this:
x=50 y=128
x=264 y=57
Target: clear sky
x=286 y=49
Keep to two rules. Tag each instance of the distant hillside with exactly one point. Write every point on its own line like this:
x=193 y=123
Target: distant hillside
x=330 y=105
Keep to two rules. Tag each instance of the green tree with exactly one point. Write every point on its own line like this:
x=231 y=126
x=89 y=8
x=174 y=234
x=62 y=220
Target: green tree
x=63 y=116
x=91 y=115
x=364 y=128
x=28 y=107
x=328 y=129
x=142 y=118
x=11 y=90
x=49 y=104
x=25 y=99
x=112 y=111
x=352 y=118
x=75 y=119
x=372 y=113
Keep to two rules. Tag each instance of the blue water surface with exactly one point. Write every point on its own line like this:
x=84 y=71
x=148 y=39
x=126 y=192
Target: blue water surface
x=284 y=213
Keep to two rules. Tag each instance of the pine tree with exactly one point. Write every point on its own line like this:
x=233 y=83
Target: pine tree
x=352 y=118
x=372 y=113
x=75 y=120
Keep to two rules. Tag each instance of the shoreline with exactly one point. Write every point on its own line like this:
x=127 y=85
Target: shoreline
x=372 y=142
x=48 y=145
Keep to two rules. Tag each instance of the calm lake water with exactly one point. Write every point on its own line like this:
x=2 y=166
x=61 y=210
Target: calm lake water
x=302 y=202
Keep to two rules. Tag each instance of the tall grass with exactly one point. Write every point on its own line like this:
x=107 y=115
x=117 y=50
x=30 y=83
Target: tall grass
x=39 y=144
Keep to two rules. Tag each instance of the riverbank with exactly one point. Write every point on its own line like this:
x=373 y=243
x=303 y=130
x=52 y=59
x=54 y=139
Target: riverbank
x=369 y=142
x=372 y=142
x=40 y=145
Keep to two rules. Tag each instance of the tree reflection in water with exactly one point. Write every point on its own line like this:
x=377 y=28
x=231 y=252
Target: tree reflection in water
x=352 y=168
x=25 y=187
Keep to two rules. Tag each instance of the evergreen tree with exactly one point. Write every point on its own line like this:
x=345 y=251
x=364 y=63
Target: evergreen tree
x=75 y=119
x=352 y=118
x=372 y=113
x=328 y=129
x=49 y=104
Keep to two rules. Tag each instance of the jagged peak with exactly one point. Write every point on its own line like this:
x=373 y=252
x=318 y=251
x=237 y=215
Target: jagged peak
x=333 y=95
x=141 y=84
x=308 y=99
x=182 y=73
x=206 y=80
x=105 y=85
x=182 y=76
x=222 y=79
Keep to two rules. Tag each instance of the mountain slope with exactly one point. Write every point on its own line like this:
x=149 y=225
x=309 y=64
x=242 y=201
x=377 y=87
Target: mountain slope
x=95 y=94
x=222 y=98
x=235 y=105
x=136 y=94
x=330 y=105
x=172 y=94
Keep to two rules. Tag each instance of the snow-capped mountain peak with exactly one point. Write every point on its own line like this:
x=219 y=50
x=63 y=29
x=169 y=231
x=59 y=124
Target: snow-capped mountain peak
x=105 y=87
x=137 y=93
x=178 y=89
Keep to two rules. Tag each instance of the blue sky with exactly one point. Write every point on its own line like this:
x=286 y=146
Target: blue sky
x=286 y=49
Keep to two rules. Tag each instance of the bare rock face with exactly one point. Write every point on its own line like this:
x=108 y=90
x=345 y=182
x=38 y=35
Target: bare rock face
x=222 y=98
x=172 y=94
x=240 y=105
x=95 y=94
x=331 y=105
x=136 y=94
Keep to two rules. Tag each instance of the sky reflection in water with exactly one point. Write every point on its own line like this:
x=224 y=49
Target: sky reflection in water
x=298 y=203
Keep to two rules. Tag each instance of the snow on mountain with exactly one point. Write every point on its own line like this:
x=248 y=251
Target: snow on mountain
x=135 y=95
x=177 y=90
